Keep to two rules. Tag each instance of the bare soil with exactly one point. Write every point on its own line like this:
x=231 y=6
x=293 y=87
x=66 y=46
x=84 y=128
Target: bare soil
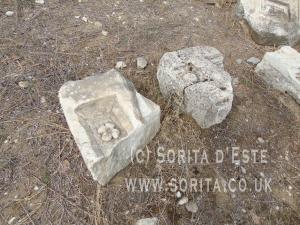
x=43 y=179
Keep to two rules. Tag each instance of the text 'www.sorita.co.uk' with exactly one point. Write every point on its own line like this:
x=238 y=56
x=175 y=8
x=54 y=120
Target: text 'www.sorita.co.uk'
x=197 y=185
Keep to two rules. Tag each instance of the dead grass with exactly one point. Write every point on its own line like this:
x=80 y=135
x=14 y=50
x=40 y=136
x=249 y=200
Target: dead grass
x=46 y=45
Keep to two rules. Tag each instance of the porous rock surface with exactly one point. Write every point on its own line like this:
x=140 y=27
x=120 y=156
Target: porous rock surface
x=194 y=81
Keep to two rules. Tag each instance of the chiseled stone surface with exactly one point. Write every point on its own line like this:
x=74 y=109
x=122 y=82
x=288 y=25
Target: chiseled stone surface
x=194 y=80
x=109 y=121
x=281 y=70
x=272 y=22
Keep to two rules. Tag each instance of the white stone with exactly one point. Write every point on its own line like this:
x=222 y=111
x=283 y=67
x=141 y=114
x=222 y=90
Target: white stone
x=147 y=221
x=183 y=201
x=101 y=129
x=281 y=70
x=104 y=33
x=191 y=207
x=9 y=13
x=121 y=65
x=85 y=19
x=194 y=80
x=36 y=188
x=24 y=84
x=12 y=220
x=92 y=102
x=253 y=61
x=178 y=194
x=43 y=100
x=106 y=137
x=141 y=63
x=260 y=140
x=40 y=2
x=239 y=61
x=115 y=133
x=273 y=22
x=110 y=125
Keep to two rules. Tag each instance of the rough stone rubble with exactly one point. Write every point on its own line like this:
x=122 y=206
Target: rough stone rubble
x=194 y=80
x=109 y=121
x=272 y=22
x=281 y=70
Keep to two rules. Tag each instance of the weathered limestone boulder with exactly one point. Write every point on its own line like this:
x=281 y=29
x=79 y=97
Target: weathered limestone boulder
x=147 y=221
x=273 y=22
x=281 y=70
x=194 y=81
x=109 y=121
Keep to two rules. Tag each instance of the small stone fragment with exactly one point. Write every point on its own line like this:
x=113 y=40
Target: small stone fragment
x=260 y=140
x=253 y=61
x=24 y=84
x=43 y=100
x=183 y=201
x=102 y=129
x=121 y=65
x=191 y=207
x=9 y=13
x=115 y=133
x=178 y=194
x=107 y=136
x=109 y=125
x=12 y=220
x=39 y=2
x=104 y=33
x=141 y=63
x=147 y=221
x=36 y=188
x=85 y=19
x=239 y=61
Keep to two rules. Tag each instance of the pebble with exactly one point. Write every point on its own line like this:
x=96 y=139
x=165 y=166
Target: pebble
x=24 y=84
x=43 y=100
x=104 y=33
x=183 y=201
x=109 y=125
x=39 y=2
x=85 y=19
x=36 y=188
x=101 y=129
x=9 y=13
x=141 y=63
x=239 y=61
x=106 y=137
x=260 y=140
x=115 y=133
x=178 y=194
x=253 y=61
x=12 y=220
x=191 y=207
x=121 y=65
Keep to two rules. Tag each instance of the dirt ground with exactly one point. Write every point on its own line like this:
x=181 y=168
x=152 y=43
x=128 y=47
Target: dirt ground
x=43 y=179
